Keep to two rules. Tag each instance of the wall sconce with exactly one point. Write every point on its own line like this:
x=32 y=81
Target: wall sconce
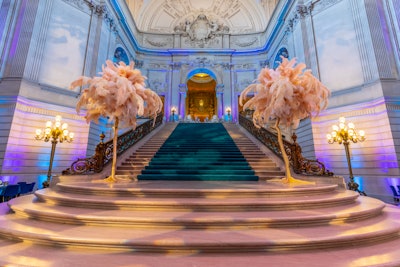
x=228 y=111
x=173 y=110
x=344 y=134
x=54 y=132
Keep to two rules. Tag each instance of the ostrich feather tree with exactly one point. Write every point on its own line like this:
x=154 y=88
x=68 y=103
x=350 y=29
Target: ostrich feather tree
x=120 y=94
x=285 y=95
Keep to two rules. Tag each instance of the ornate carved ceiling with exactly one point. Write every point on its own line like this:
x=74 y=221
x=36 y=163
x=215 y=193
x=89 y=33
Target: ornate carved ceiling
x=169 y=16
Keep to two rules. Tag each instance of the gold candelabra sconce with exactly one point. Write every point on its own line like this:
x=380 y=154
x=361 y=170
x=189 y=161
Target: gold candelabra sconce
x=173 y=110
x=54 y=132
x=345 y=134
x=228 y=111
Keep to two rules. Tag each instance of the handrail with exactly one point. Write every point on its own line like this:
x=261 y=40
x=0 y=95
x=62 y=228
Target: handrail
x=299 y=164
x=103 y=152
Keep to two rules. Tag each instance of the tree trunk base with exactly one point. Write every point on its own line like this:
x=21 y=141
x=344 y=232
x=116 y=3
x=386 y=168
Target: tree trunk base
x=292 y=181
x=110 y=179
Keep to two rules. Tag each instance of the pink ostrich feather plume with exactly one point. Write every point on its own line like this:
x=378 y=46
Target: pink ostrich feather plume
x=288 y=93
x=118 y=93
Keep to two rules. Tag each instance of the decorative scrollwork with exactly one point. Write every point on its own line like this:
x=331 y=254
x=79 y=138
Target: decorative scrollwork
x=300 y=164
x=104 y=151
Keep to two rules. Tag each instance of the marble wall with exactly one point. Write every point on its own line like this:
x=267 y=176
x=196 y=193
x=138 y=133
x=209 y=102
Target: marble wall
x=336 y=44
x=65 y=46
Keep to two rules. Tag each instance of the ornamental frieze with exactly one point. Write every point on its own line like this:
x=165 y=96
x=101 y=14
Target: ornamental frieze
x=245 y=42
x=322 y=5
x=159 y=42
x=82 y=5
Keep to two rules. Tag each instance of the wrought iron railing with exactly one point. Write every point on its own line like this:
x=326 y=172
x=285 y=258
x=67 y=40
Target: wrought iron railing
x=299 y=164
x=103 y=152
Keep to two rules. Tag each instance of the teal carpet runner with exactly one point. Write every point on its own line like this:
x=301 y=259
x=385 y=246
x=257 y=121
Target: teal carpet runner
x=199 y=151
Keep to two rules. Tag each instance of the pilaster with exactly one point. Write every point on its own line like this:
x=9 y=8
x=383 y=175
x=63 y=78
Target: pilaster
x=376 y=22
x=38 y=41
x=20 y=38
x=307 y=28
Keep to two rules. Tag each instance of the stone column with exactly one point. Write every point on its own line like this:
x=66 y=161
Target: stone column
x=182 y=100
x=307 y=28
x=220 y=100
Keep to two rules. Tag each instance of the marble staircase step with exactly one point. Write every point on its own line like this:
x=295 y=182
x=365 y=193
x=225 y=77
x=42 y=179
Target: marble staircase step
x=359 y=210
x=198 y=204
x=227 y=240
x=188 y=189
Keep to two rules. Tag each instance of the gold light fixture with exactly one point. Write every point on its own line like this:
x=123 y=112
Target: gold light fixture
x=54 y=132
x=201 y=75
x=345 y=134
x=228 y=111
x=173 y=110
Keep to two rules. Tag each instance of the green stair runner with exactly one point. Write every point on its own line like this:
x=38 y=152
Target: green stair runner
x=199 y=151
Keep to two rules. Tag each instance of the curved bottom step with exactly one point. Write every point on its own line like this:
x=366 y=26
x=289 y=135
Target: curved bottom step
x=25 y=255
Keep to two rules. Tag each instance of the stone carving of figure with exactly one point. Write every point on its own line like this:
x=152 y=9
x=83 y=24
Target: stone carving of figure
x=214 y=26
x=200 y=28
x=180 y=28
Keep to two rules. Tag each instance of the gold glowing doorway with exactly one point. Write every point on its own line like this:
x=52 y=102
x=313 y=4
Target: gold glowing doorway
x=201 y=101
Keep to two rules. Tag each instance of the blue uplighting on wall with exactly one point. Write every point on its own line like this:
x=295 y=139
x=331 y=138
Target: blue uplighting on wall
x=360 y=182
x=40 y=180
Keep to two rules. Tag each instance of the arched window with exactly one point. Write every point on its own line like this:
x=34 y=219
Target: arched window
x=120 y=55
x=282 y=52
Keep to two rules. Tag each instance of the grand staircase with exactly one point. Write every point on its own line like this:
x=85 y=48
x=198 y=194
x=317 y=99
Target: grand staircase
x=140 y=158
x=198 y=223
x=264 y=167
x=199 y=151
x=191 y=157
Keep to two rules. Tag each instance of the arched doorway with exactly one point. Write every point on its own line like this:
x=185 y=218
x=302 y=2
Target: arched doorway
x=201 y=100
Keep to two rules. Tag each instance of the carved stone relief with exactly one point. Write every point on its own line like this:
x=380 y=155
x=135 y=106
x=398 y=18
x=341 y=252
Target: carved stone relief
x=245 y=66
x=182 y=87
x=264 y=63
x=159 y=42
x=201 y=29
x=155 y=66
x=82 y=5
x=220 y=88
x=244 y=79
x=245 y=41
x=158 y=85
x=242 y=84
x=322 y=5
x=201 y=32
x=201 y=61
x=157 y=80
x=138 y=63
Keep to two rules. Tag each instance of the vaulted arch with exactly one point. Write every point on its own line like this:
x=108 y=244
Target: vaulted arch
x=163 y=16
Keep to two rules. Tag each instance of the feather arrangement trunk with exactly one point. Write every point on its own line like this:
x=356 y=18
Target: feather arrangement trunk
x=285 y=95
x=119 y=94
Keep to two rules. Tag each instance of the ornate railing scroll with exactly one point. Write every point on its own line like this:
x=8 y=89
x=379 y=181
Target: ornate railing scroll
x=103 y=152
x=299 y=164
